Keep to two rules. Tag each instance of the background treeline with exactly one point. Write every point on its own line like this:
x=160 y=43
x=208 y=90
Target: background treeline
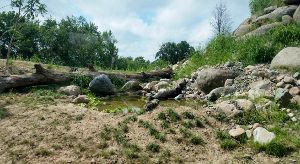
x=71 y=41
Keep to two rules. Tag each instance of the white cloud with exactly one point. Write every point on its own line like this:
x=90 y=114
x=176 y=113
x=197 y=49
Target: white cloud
x=141 y=26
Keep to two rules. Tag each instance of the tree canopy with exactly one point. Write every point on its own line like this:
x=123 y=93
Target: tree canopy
x=174 y=52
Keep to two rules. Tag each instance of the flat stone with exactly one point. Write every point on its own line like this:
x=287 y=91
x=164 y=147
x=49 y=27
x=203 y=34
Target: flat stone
x=263 y=136
x=291 y=115
x=236 y=132
x=294 y=119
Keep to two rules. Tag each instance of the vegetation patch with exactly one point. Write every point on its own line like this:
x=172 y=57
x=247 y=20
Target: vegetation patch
x=153 y=147
x=4 y=112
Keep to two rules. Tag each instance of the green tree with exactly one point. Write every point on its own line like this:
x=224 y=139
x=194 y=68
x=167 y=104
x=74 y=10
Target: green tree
x=26 y=9
x=173 y=52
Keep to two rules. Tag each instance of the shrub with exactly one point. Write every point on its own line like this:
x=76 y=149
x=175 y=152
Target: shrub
x=4 y=113
x=188 y=115
x=196 y=140
x=81 y=80
x=153 y=147
x=174 y=117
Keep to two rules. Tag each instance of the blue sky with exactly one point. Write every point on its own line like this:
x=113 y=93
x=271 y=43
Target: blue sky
x=141 y=26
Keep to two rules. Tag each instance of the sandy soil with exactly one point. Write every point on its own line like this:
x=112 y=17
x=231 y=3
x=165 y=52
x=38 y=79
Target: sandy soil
x=68 y=133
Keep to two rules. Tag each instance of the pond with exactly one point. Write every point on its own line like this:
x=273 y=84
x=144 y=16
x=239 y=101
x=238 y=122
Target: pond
x=134 y=104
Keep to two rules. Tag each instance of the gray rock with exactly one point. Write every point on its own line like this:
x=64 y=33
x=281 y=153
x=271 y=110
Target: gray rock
x=150 y=105
x=132 y=86
x=242 y=30
x=269 y=9
x=296 y=16
x=236 y=133
x=286 y=19
x=262 y=135
x=277 y=13
x=150 y=86
x=161 y=85
x=245 y=105
x=166 y=93
x=280 y=84
x=229 y=83
x=289 y=80
x=294 y=119
x=283 y=96
x=81 y=99
x=291 y=2
x=219 y=92
x=249 y=133
x=71 y=90
x=102 y=85
x=228 y=108
x=262 y=84
x=287 y=58
x=263 y=29
x=210 y=79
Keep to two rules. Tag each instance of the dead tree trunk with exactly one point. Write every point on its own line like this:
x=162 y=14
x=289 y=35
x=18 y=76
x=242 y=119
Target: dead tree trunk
x=43 y=76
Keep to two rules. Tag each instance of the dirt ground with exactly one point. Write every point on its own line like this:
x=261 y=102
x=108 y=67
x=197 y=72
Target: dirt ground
x=62 y=132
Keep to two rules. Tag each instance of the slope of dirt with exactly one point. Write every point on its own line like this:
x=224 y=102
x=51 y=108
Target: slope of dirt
x=61 y=132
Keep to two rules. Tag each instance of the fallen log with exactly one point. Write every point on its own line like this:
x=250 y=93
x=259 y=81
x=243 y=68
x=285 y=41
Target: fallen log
x=44 y=76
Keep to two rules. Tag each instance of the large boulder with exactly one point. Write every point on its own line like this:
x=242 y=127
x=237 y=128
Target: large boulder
x=132 y=86
x=263 y=29
x=71 y=90
x=296 y=16
x=210 y=79
x=291 y=2
x=263 y=136
x=287 y=58
x=102 y=86
x=278 y=13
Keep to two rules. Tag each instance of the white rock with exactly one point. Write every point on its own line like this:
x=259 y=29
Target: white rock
x=263 y=136
x=294 y=119
x=291 y=115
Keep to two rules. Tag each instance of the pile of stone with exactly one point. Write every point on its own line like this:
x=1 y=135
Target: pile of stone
x=278 y=16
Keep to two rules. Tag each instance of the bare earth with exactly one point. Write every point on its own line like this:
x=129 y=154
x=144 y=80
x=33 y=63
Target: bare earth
x=67 y=133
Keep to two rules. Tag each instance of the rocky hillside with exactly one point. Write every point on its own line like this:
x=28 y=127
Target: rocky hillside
x=273 y=17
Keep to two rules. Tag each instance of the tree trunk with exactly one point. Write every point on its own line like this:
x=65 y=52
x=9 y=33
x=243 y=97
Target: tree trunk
x=8 y=56
x=43 y=76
